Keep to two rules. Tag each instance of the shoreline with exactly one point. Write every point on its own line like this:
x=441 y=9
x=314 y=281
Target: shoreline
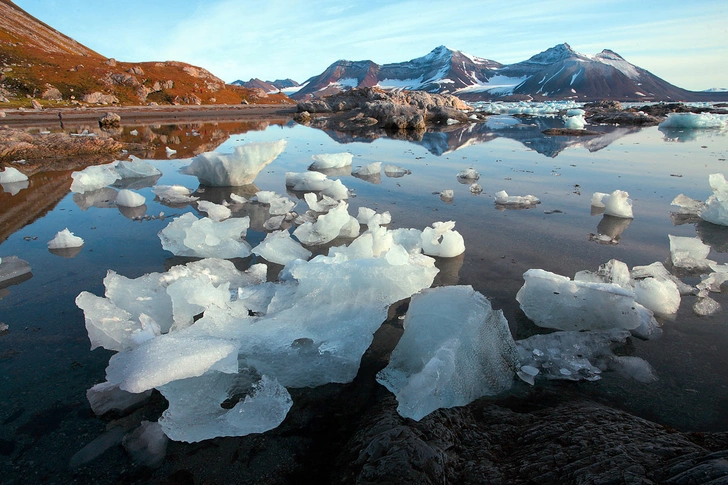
x=136 y=115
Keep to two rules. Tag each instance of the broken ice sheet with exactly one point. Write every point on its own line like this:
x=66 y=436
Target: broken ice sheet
x=455 y=349
x=94 y=177
x=205 y=238
x=238 y=168
x=278 y=247
x=689 y=253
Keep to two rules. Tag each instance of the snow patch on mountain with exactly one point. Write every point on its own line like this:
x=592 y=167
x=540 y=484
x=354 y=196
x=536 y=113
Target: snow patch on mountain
x=501 y=85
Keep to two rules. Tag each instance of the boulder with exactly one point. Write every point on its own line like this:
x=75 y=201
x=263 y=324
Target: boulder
x=123 y=79
x=137 y=70
x=36 y=105
x=109 y=119
x=188 y=99
x=99 y=98
x=51 y=93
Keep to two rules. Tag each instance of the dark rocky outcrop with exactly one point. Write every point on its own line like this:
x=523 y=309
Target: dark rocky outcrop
x=17 y=144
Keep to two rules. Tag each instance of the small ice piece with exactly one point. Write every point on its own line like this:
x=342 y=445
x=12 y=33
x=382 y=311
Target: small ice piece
x=11 y=175
x=689 y=253
x=617 y=204
x=716 y=207
x=613 y=271
x=170 y=357
x=469 y=174
x=476 y=189
x=570 y=355
x=12 y=267
x=395 y=171
x=527 y=374
x=687 y=205
x=337 y=222
x=447 y=195
x=169 y=151
x=135 y=168
x=105 y=397
x=693 y=121
x=279 y=204
x=65 y=239
x=367 y=215
x=146 y=445
x=455 y=349
x=321 y=206
x=173 y=194
x=442 y=240
x=238 y=199
x=127 y=198
x=316 y=182
x=278 y=247
x=576 y=122
x=502 y=198
x=657 y=270
x=133 y=132
x=373 y=169
x=324 y=161
x=238 y=168
x=205 y=238
x=216 y=212
x=661 y=296
x=705 y=306
x=554 y=301
x=94 y=177
x=218 y=404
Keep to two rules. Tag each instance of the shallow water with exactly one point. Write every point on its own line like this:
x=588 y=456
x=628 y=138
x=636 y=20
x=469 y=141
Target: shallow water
x=46 y=365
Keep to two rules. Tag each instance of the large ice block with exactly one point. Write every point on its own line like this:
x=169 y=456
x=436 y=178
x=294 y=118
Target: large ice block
x=238 y=168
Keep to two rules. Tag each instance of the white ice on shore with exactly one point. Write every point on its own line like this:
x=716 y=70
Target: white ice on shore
x=216 y=212
x=94 y=177
x=65 y=239
x=324 y=161
x=442 y=240
x=455 y=349
x=12 y=175
x=238 y=168
x=128 y=198
x=278 y=247
x=204 y=238
x=173 y=194
x=502 y=198
x=617 y=204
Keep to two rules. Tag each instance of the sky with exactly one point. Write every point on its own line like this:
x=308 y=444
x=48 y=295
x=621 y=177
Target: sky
x=684 y=43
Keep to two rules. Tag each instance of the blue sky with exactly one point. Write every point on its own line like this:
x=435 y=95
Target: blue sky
x=685 y=43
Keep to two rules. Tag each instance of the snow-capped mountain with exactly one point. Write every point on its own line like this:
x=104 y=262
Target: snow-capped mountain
x=556 y=73
x=269 y=86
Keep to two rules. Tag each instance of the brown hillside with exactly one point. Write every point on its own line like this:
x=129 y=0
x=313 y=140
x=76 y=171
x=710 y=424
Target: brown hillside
x=38 y=62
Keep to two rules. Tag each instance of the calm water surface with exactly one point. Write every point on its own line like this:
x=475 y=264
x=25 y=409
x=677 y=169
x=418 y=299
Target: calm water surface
x=46 y=365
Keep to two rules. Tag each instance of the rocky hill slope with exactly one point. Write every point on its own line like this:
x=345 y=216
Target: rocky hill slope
x=39 y=63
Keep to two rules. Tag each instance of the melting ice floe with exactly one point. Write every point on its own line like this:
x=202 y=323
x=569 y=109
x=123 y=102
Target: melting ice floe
x=65 y=239
x=205 y=238
x=455 y=349
x=695 y=121
x=522 y=201
x=316 y=182
x=395 y=171
x=715 y=208
x=325 y=161
x=127 y=198
x=99 y=176
x=469 y=175
x=238 y=168
x=617 y=204
x=174 y=194
x=216 y=212
x=278 y=247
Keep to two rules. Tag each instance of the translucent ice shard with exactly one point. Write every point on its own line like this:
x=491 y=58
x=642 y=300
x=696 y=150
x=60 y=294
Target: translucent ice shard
x=325 y=161
x=205 y=238
x=716 y=207
x=278 y=247
x=442 y=240
x=455 y=349
x=12 y=175
x=237 y=168
x=94 y=177
x=689 y=253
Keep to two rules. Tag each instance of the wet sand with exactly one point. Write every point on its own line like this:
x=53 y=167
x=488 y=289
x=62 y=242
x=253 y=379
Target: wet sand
x=147 y=114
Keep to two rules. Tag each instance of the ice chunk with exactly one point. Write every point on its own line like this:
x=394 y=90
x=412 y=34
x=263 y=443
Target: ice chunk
x=716 y=207
x=108 y=326
x=169 y=151
x=322 y=206
x=689 y=253
x=205 y=238
x=476 y=189
x=316 y=182
x=633 y=367
x=705 y=306
x=238 y=199
x=279 y=204
x=171 y=357
x=695 y=121
x=502 y=122
x=687 y=205
x=661 y=296
x=12 y=267
x=238 y=168
x=658 y=271
x=94 y=177
x=127 y=198
x=218 y=404
x=373 y=169
x=105 y=397
x=65 y=239
x=554 y=301
x=469 y=174
x=575 y=112
x=447 y=195
x=174 y=194
x=455 y=349
x=216 y=212
x=135 y=168
x=617 y=204
x=395 y=171
x=613 y=271
x=442 y=240
x=502 y=198
x=278 y=247
x=12 y=175
x=575 y=122
x=337 y=222
x=147 y=445
x=324 y=161
x=368 y=216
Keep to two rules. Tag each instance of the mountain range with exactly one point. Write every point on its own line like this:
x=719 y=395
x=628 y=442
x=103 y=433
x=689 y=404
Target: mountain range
x=554 y=74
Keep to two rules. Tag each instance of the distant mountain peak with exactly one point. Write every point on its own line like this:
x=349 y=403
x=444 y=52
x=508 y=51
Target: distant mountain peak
x=609 y=54
x=554 y=54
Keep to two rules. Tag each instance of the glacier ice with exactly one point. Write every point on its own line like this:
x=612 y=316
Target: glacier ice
x=94 y=177
x=476 y=189
x=12 y=175
x=65 y=239
x=575 y=122
x=469 y=174
x=128 y=198
x=12 y=267
x=455 y=349
x=238 y=168
x=324 y=161
x=661 y=296
x=216 y=212
x=321 y=206
x=447 y=195
x=189 y=236
x=695 y=121
x=336 y=223
x=135 y=168
x=371 y=170
x=617 y=204
x=689 y=253
x=279 y=204
x=278 y=247
x=395 y=171
x=442 y=240
x=316 y=182
x=502 y=198
x=174 y=194
x=369 y=216
x=716 y=207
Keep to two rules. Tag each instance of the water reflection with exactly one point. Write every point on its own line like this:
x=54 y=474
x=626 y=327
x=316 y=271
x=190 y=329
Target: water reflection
x=610 y=229
x=100 y=198
x=66 y=252
x=14 y=187
x=133 y=212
